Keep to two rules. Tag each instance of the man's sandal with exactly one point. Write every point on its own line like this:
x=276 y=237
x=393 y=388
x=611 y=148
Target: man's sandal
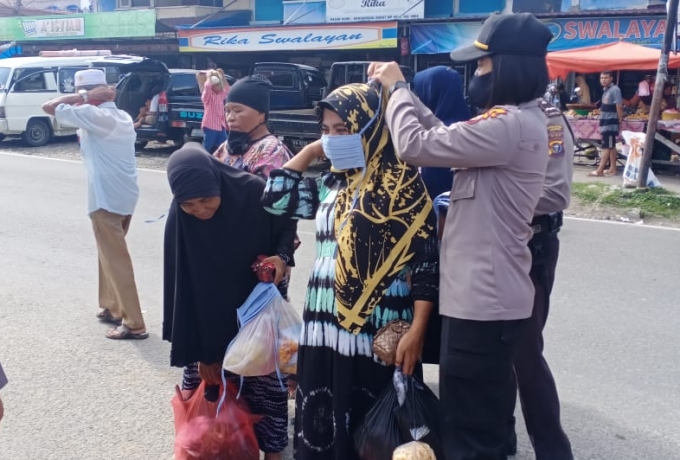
x=123 y=332
x=105 y=316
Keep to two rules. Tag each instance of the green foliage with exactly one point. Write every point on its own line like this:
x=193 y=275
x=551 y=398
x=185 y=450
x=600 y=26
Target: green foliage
x=652 y=202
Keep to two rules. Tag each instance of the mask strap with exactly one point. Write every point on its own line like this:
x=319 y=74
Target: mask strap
x=375 y=115
x=253 y=130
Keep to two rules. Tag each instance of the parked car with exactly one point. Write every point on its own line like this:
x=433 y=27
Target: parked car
x=343 y=73
x=180 y=109
x=294 y=86
x=26 y=83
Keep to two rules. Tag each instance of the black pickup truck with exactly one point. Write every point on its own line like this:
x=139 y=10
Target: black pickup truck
x=300 y=127
x=294 y=86
x=180 y=109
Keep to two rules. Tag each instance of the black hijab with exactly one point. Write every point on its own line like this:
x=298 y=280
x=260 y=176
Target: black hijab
x=207 y=263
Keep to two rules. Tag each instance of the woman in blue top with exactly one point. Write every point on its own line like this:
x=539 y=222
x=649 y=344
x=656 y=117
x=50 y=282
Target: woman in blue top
x=440 y=88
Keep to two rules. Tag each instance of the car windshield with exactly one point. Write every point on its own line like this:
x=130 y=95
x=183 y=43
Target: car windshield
x=4 y=77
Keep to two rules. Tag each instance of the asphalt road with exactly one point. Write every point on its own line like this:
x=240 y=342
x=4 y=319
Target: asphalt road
x=612 y=338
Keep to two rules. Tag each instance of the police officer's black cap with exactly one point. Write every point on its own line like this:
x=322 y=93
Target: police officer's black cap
x=515 y=34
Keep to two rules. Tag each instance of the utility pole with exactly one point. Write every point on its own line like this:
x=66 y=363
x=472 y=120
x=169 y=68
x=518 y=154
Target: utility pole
x=17 y=7
x=661 y=73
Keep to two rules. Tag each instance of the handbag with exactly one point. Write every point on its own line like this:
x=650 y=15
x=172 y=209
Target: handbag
x=387 y=338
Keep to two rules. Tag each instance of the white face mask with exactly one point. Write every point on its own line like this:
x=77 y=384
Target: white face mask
x=346 y=151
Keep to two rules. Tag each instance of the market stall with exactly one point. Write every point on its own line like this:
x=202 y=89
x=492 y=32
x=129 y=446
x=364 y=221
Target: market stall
x=619 y=56
x=613 y=56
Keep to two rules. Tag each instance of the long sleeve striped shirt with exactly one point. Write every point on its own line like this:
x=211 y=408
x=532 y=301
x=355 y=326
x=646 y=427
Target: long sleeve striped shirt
x=213 y=104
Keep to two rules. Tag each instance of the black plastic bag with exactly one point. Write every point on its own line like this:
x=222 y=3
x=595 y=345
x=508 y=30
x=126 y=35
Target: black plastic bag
x=379 y=434
x=418 y=412
x=406 y=411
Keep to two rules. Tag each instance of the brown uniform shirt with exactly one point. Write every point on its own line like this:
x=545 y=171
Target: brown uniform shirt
x=501 y=160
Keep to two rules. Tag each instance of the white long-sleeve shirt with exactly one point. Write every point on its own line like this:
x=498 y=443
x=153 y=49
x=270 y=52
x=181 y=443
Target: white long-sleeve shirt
x=107 y=143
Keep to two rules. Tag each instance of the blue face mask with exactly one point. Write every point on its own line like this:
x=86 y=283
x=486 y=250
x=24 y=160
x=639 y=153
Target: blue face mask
x=346 y=151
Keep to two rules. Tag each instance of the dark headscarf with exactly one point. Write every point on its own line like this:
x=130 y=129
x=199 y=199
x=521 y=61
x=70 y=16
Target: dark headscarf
x=252 y=91
x=376 y=236
x=207 y=272
x=440 y=88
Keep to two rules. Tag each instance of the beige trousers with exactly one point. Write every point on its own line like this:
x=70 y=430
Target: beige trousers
x=117 y=288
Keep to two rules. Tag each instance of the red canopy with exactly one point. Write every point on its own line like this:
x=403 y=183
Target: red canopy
x=613 y=56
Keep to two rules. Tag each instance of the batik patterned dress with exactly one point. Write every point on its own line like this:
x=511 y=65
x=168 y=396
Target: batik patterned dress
x=339 y=377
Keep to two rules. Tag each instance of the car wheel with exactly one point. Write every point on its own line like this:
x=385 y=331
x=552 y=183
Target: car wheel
x=37 y=133
x=180 y=139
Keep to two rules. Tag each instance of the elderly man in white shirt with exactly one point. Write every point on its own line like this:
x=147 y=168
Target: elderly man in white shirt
x=107 y=143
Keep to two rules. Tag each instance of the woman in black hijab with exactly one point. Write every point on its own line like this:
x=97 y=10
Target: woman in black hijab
x=216 y=229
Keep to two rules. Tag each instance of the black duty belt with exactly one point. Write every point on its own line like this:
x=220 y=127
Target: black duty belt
x=548 y=223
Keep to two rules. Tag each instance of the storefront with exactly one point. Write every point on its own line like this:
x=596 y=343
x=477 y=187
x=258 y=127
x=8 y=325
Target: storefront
x=235 y=50
x=430 y=44
x=131 y=32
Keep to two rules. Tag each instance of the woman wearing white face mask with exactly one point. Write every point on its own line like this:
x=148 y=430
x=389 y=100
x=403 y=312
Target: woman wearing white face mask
x=375 y=229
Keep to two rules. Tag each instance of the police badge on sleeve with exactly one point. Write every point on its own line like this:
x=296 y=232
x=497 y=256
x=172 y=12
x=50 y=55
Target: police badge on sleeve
x=555 y=140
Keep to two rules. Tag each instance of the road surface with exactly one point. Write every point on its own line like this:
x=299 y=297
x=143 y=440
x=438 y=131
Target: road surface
x=612 y=338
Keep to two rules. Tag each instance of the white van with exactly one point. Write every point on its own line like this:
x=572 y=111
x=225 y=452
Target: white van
x=26 y=83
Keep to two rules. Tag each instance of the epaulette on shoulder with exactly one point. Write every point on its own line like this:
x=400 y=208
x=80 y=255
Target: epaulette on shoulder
x=549 y=109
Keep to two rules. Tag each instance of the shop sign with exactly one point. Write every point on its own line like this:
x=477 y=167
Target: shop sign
x=55 y=27
x=577 y=33
x=374 y=10
x=442 y=38
x=330 y=37
x=304 y=12
x=119 y=24
x=567 y=33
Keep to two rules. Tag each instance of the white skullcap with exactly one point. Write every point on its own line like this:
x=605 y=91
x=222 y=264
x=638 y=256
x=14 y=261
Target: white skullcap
x=90 y=77
x=215 y=80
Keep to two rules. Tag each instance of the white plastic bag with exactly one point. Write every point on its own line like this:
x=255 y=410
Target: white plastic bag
x=253 y=351
x=289 y=331
x=635 y=143
x=267 y=340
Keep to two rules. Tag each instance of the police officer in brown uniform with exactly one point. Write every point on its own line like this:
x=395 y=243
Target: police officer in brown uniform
x=537 y=390
x=486 y=293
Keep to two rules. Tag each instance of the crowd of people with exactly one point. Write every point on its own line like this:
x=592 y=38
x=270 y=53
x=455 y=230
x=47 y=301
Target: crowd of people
x=479 y=265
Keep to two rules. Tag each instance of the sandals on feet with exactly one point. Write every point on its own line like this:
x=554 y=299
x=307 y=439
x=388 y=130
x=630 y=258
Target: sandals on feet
x=595 y=174
x=105 y=316
x=123 y=332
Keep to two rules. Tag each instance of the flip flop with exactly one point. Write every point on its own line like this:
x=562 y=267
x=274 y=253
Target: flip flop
x=123 y=332
x=595 y=174
x=105 y=316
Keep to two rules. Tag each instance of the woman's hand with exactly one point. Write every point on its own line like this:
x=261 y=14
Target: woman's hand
x=280 y=268
x=410 y=349
x=305 y=157
x=387 y=73
x=211 y=374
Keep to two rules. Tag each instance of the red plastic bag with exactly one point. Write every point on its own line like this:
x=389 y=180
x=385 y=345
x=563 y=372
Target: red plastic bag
x=266 y=271
x=203 y=435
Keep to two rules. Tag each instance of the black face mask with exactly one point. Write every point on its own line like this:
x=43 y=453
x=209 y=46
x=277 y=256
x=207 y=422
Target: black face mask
x=239 y=142
x=479 y=91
